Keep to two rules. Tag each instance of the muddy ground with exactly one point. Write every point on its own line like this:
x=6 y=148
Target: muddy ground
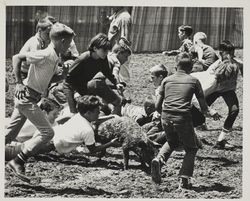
x=217 y=174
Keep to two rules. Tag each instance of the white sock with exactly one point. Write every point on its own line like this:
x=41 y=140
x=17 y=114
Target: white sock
x=222 y=134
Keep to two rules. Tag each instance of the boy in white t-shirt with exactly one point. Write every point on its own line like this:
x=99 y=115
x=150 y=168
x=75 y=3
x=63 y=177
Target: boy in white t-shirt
x=76 y=131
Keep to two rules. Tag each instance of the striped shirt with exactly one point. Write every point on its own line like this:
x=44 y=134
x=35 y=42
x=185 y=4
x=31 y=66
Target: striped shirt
x=43 y=65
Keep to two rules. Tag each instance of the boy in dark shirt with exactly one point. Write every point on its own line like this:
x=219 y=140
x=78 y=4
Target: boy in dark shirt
x=174 y=101
x=86 y=66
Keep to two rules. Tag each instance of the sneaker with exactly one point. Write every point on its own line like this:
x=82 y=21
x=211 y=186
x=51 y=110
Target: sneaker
x=18 y=170
x=185 y=183
x=156 y=170
x=223 y=144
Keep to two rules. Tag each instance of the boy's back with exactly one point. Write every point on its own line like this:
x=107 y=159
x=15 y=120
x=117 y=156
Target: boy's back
x=178 y=90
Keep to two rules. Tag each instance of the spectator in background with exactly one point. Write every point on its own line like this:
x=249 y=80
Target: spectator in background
x=120 y=32
x=184 y=34
x=205 y=54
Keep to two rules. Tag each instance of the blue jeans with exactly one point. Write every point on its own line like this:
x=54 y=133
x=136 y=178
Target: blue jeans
x=179 y=131
x=27 y=108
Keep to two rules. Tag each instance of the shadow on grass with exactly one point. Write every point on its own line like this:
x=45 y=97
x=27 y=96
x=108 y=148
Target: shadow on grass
x=91 y=191
x=215 y=187
x=78 y=160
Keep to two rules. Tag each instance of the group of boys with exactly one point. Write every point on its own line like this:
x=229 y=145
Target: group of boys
x=44 y=55
x=87 y=75
x=175 y=97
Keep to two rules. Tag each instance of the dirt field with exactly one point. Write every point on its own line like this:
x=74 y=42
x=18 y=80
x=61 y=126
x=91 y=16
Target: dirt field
x=217 y=174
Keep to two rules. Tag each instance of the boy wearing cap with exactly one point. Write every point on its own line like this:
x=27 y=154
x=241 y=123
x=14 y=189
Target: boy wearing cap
x=174 y=102
x=205 y=54
x=43 y=65
x=184 y=34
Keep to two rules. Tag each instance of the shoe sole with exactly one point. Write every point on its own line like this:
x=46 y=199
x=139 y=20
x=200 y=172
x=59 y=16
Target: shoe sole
x=18 y=175
x=156 y=172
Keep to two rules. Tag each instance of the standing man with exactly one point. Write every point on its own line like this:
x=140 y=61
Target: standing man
x=120 y=32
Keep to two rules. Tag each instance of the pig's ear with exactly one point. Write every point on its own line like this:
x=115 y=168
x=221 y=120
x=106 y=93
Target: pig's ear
x=154 y=144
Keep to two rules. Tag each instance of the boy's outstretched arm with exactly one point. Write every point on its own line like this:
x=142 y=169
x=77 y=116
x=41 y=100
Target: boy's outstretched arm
x=93 y=148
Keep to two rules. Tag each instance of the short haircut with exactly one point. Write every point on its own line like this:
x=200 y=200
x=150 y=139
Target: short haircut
x=99 y=41
x=60 y=31
x=43 y=24
x=227 y=46
x=51 y=19
x=48 y=105
x=121 y=48
x=200 y=36
x=184 y=61
x=187 y=29
x=87 y=103
x=158 y=70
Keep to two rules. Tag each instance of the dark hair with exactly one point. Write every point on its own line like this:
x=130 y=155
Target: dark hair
x=149 y=105
x=99 y=41
x=227 y=46
x=87 y=103
x=48 y=105
x=187 y=29
x=184 y=61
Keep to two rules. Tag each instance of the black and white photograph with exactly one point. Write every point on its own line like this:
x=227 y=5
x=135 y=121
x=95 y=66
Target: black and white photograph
x=124 y=101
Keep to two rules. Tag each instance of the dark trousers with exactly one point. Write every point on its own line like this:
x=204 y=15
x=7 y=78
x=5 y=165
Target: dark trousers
x=232 y=103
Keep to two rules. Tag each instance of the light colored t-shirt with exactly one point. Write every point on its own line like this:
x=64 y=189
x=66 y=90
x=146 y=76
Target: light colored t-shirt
x=33 y=44
x=43 y=65
x=73 y=133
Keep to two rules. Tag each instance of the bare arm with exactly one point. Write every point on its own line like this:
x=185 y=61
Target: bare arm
x=158 y=103
x=93 y=148
x=201 y=98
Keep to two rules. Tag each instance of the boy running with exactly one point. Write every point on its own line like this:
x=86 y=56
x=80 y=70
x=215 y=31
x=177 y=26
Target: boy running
x=175 y=103
x=43 y=65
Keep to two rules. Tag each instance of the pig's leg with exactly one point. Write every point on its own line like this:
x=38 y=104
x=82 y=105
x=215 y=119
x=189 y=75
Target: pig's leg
x=125 y=157
x=138 y=152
